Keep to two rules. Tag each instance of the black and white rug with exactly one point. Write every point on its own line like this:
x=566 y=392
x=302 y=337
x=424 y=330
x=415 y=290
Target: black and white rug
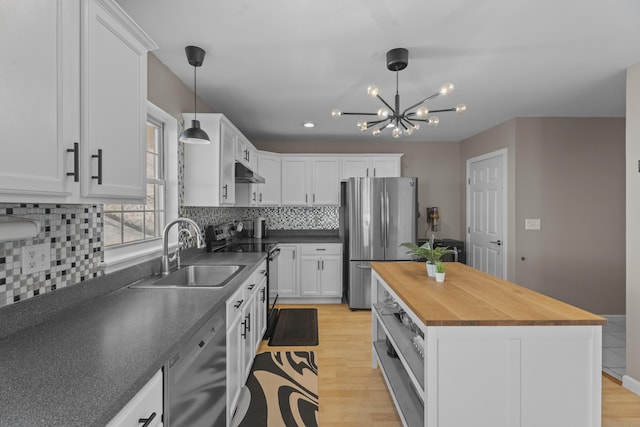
x=282 y=390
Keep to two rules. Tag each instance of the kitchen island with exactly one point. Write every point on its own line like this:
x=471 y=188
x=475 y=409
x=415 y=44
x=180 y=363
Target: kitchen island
x=480 y=351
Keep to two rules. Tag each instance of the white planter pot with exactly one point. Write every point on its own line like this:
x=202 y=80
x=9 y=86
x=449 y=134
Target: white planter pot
x=431 y=270
x=440 y=277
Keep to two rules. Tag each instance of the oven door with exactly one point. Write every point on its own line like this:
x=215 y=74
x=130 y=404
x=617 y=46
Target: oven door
x=272 y=268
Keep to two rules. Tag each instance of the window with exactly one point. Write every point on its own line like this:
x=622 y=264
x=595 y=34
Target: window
x=130 y=223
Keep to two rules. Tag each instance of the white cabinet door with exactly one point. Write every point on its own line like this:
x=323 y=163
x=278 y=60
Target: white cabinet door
x=146 y=405
x=287 y=285
x=261 y=313
x=228 y=137
x=269 y=193
x=235 y=346
x=295 y=182
x=385 y=167
x=39 y=41
x=309 y=275
x=114 y=105
x=325 y=182
x=330 y=276
x=248 y=341
x=371 y=166
x=355 y=168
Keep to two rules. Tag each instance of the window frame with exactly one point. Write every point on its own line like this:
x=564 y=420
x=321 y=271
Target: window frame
x=128 y=254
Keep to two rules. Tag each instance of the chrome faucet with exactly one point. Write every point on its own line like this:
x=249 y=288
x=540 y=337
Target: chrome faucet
x=166 y=260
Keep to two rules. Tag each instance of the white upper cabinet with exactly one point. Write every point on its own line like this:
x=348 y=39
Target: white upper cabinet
x=246 y=152
x=114 y=103
x=325 y=182
x=209 y=169
x=295 y=181
x=59 y=56
x=310 y=181
x=387 y=165
x=269 y=193
x=39 y=106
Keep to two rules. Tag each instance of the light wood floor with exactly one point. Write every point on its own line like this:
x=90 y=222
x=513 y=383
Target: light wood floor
x=353 y=394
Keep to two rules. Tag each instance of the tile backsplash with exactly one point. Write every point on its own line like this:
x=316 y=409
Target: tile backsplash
x=74 y=234
x=278 y=218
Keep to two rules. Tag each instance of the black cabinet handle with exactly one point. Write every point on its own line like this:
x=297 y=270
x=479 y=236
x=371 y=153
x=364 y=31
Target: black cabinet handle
x=260 y=196
x=76 y=162
x=254 y=196
x=249 y=321
x=262 y=292
x=238 y=304
x=99 y=157
x=243 y=334
x=224 y=194
x=251 y=286
x=147 y=421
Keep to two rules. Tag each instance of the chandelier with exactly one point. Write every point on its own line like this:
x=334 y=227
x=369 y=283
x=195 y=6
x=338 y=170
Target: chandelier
x=407 y=121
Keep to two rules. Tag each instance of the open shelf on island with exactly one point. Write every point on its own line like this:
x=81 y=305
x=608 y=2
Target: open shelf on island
x=402 y=340
x=407 y=400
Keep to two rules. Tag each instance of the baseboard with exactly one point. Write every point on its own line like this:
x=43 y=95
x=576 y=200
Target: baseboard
x=631 y=384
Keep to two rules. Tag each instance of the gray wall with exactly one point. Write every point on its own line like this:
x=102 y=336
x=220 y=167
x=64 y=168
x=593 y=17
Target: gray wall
x=569 y=172
x=434 y=163
x=633 y=226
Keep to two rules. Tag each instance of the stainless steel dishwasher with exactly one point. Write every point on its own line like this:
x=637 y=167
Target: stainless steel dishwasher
x=197 y=378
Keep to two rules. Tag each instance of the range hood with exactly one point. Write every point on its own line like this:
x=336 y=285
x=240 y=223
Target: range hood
x=246 y=175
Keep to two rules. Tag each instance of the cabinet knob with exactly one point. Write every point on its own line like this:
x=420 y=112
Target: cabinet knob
x=147 y=421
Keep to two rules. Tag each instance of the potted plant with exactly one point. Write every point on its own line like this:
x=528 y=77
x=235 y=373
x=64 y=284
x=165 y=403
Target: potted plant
x=439 y=271
x=428 y=252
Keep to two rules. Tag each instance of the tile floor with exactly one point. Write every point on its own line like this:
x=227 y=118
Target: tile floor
x=614 y=350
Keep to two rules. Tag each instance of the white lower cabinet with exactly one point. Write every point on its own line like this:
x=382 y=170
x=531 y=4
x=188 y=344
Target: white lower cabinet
x=146 y=406
x=246 y=324
x=309 y=272
x=321 y=270
x=287 y=272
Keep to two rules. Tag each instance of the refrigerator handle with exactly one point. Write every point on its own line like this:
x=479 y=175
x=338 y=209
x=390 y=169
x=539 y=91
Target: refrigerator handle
x=386 y=228
x=383 y=234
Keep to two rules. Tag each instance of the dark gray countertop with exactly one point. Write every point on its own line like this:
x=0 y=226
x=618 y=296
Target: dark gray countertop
x=82 y=366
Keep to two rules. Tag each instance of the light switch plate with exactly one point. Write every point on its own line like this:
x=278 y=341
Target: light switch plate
x=532 y=224
x=36 y=258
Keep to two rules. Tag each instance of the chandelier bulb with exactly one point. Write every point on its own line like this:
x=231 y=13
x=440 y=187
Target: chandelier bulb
x=396 y=132
x=383 y=113
x=416 y=126
x=433 y=121
x=446 y=88
x=335 y=113
x=373 y=91
x=362 y=125
x=461 y=108
x=422 y=112
x=376 y=132
x=408 y=131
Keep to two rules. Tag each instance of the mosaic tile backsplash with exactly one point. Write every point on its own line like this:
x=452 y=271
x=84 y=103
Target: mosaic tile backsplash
x=74 y=235
x=278 y=218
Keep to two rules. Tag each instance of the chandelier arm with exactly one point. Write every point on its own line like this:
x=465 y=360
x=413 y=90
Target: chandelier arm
x=405 y=119
x=428 y=98
x=358 y=114
x=374 y=123
x=443 y=110
x=387 y=104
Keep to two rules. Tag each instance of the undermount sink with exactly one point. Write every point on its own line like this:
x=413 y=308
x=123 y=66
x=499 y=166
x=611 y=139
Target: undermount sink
x=195 y=276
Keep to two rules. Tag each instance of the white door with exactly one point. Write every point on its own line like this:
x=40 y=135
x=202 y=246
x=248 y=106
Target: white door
x=485 y=213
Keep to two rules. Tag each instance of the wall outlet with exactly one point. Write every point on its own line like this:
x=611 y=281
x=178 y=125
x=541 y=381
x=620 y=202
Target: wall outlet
x=36 y=258
x=532 y=224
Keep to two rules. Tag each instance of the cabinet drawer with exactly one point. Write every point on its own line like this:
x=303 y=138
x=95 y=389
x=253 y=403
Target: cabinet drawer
x=321 y=249
x=146 y=403
x=235 y=303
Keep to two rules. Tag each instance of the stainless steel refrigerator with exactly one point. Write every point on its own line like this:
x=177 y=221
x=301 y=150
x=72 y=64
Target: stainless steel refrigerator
x=376 y=216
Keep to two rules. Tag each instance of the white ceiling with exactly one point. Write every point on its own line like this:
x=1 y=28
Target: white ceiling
x=272 y=65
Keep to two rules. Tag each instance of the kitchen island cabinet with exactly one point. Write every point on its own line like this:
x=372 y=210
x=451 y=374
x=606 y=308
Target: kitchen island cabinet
x=477 y=350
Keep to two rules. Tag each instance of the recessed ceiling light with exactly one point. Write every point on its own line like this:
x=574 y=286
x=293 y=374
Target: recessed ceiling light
x=308 y=124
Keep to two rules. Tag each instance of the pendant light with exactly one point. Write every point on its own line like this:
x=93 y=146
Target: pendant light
x=194 y=135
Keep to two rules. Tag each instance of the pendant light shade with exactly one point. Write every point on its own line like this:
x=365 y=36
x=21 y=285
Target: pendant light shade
x=194 y=134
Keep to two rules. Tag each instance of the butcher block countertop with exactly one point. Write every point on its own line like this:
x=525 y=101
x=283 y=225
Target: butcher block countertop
x=469 y=297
